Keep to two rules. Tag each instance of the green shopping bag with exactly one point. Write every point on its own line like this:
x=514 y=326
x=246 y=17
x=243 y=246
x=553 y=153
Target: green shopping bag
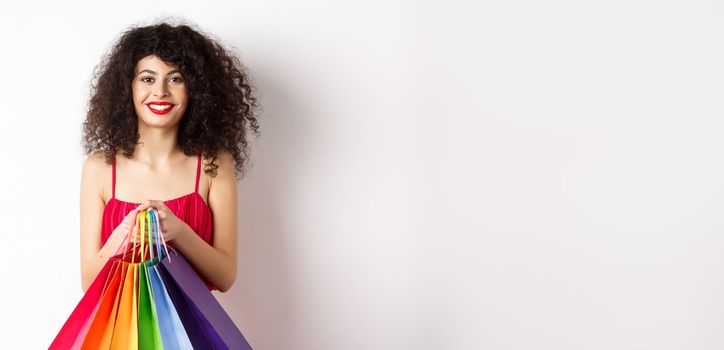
x=149 y=334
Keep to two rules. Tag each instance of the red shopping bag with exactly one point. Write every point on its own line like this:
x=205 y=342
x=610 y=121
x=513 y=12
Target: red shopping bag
x=88 y=305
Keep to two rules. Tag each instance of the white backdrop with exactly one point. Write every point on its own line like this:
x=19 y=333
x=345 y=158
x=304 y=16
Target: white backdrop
x=506 y=175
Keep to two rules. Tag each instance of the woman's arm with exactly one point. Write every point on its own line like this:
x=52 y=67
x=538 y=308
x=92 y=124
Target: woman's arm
x=216 y=263
x=92 y=256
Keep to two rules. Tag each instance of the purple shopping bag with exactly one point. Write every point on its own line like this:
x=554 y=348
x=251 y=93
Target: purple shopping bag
x=207 y=324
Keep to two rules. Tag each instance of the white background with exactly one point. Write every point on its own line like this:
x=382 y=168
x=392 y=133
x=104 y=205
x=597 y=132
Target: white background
x=506 y=175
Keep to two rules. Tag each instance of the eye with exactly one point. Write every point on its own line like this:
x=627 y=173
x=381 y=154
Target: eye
x=144 y=79
x=178 y=79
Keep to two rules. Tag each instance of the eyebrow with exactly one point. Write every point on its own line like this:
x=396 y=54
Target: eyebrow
x=152 y=72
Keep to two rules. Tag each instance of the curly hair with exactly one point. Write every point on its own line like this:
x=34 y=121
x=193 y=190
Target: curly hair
x=222 y=105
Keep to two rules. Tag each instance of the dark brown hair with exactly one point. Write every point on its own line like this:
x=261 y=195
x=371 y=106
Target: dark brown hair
x=222 y=106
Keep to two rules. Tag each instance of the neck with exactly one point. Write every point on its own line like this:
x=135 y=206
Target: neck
x=156 y=145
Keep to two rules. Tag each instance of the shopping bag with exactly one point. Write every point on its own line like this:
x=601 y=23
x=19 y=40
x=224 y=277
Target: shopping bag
x=84 y=330
x=76 y=327
x=148 y=299
x=117 y=307
x=205 y=321
x=149 y=334
x=101 y=328
x=85 y=309
x=173 y=334
x=200 y=332
x=125 y=329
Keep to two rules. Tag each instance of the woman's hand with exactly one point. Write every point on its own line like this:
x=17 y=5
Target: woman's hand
x=171 y=225
x=127 y=225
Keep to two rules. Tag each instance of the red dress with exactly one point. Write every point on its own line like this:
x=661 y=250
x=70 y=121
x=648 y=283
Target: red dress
x=190 y=208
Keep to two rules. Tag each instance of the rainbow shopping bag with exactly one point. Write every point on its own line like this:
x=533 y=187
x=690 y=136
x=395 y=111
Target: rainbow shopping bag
x=148 y=298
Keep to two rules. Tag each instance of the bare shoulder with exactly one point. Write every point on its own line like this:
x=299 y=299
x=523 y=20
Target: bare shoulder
x=225 y=163
x=224 y=172
x=94 y=172
x=95 y=164
x=225 y=157
x=96 y=159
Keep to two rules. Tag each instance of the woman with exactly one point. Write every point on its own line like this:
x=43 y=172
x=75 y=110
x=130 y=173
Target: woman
x=179 y=108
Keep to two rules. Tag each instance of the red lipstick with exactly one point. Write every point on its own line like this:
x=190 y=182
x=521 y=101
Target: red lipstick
x=161 y=107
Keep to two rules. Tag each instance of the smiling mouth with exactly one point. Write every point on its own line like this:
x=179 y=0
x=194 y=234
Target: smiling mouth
x=160 y=109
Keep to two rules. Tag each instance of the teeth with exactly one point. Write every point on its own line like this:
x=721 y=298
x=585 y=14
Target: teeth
x=160 y=107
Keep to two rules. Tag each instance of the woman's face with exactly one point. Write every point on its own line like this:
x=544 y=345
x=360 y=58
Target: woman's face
x=159 y=91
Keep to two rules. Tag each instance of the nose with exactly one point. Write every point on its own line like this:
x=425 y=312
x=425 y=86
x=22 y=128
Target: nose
x=160 y=89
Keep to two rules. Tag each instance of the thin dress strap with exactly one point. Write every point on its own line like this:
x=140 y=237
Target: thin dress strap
x=198 y=172
x=113 y=195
